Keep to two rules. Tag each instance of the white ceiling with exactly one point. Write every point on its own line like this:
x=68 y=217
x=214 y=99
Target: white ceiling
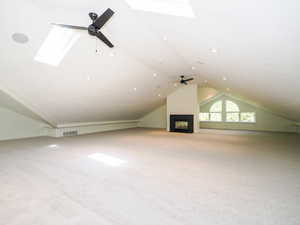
x=256 y=41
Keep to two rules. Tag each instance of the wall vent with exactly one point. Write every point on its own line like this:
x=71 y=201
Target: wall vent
x=70 y=133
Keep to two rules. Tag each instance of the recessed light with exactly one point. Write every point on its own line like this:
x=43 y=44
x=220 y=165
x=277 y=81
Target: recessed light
x=134 y=89
x=224 y=78
x=213 y=50
x=154 y=74
x=175 y=85
x=165 y=38
x=193 y=68
x=88 y=78
x=228 y=89
x=159 y=95
x=112 y=54
x=20 y=38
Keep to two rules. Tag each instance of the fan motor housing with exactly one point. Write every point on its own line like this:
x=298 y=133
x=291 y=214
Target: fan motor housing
x=92 y=30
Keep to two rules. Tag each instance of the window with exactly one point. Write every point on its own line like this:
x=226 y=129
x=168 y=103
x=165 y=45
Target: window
x=215 y=113
x=248 y=117
x=232 y=117
x=204 y=116
x=58 y=42
x=232 y=112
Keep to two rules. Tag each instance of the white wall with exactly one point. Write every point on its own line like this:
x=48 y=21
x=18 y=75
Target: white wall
x=14 y=126
x=205 y=93
x=265 y=120
x=184 y=101
x=155 y=119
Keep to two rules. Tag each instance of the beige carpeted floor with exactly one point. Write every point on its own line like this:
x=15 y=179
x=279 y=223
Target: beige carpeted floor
x=151 y=177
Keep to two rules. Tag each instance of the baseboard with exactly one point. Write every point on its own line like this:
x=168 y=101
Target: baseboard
x=92 y=127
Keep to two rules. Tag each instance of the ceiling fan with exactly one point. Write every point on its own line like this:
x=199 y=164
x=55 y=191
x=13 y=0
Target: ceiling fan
x=94 y=28
x=184 y=80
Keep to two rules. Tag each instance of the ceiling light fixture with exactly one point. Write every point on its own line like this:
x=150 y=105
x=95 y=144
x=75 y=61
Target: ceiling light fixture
x=134 y=89
x=165 y=38
x=159 y=95
x=112 y=54
x=154 y=74
x=224 y=78
x=175 y=85
x=193 y=68
x=58 y=42
x=170 y=7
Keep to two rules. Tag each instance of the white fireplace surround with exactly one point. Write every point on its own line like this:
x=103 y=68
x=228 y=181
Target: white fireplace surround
x=184 y=101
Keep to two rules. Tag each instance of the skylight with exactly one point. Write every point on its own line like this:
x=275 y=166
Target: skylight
x=58 y=42
x=169 y=7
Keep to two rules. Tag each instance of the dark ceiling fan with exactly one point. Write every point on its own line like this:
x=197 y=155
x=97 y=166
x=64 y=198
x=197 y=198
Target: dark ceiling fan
x=184 y=80
x=94 y=28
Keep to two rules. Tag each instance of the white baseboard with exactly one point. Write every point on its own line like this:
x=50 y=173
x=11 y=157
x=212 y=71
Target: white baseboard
x=92 y=127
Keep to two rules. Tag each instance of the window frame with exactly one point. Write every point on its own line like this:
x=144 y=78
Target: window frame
x=254 y=113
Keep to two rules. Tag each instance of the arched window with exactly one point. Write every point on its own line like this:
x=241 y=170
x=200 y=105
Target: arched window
x=215 y=113
x=232 y=112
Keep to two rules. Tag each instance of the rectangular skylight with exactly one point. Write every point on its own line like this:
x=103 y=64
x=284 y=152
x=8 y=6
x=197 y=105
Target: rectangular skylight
x=58 y=42
x=169 y=7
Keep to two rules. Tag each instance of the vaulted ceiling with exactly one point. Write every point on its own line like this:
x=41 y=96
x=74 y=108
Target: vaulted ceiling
x=250 y=47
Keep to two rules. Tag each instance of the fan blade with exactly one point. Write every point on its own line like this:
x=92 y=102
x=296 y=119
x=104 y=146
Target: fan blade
x=185 y=83
x=101 y=20
x=189 y=79
x=104 y=39
x=70 y=26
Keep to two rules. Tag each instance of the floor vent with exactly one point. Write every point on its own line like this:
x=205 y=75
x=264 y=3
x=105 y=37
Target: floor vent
x=70 y=133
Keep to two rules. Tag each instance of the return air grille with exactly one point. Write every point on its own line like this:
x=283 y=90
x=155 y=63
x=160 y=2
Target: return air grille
x=70 y=133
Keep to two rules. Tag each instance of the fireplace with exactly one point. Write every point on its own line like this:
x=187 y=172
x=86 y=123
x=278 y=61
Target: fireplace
x=182 y=123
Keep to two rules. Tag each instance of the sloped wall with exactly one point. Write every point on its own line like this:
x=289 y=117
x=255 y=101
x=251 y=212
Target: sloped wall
x=14 y=126
x=265 y=121
x=155 y=119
